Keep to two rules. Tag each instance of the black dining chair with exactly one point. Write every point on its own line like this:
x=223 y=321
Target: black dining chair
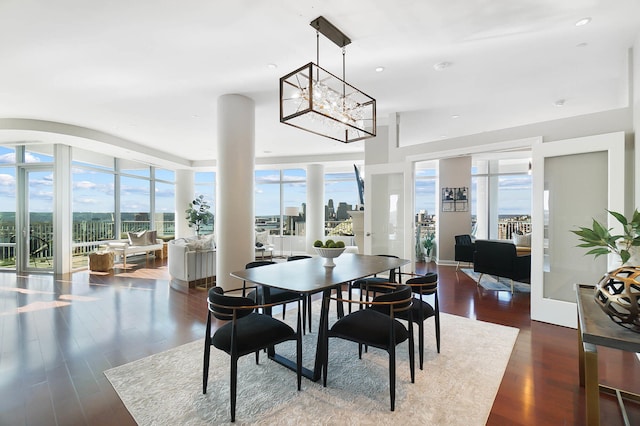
x=276 y=295
x=306 y=301
x=362 y=284
x=422 y=286
x=246 y=331
x=375 y=326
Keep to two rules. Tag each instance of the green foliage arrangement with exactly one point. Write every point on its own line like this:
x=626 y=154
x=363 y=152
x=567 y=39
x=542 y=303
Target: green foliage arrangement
x=198 y=213
x=600 y=237
x=427 y=243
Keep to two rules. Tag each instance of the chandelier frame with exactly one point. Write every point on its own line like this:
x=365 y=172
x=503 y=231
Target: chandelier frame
x=315 y=100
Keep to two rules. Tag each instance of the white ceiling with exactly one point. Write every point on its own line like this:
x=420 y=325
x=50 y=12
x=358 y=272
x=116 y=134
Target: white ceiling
x=150 y=71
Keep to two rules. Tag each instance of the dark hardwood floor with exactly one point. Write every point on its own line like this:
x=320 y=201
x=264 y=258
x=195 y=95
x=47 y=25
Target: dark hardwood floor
x=58 y=336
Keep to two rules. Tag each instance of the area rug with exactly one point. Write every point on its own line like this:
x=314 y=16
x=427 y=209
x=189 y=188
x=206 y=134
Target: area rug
x=456 y=387
x=501 y=284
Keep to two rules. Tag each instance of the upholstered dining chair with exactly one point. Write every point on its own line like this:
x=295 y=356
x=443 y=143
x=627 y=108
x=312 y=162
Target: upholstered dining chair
x=276 y=296
x=245 y=332
x=306 y=302
x=361 y=284
x=421 y=310
x=375 y=326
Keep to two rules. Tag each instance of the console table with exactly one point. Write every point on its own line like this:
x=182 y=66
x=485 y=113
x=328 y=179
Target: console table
x=595 y=328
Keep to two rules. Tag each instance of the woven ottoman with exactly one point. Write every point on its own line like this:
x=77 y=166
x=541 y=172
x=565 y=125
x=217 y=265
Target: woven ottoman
x=101 y=261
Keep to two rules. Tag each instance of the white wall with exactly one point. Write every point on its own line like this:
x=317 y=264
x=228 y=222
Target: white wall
x=453 y=173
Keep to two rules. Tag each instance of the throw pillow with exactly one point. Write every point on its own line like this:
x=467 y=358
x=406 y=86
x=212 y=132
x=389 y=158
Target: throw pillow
x=151 y=237
x=137 y=238
x=522 y=240
x=262 y=238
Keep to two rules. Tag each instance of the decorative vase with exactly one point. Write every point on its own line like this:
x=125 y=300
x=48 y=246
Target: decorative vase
x=618 y=295
x=329 y=254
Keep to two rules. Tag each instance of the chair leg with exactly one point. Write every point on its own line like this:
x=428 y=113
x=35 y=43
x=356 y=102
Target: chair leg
x=392 y=376
x=234 y=386
x=207 y=351
x=421 y=343
x=458 y=266
x=437 y=332
x=479 y=278
x=511 y=285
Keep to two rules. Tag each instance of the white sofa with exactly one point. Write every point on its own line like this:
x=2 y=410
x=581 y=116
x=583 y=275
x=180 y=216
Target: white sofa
x=137 y=243
x=191 y=261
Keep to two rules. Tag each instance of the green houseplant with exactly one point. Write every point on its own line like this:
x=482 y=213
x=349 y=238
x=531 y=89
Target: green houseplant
x=199 y=214
x=601 y=241
x=428 y=244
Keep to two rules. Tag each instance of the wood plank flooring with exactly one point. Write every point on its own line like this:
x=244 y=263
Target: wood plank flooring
x=58 y=336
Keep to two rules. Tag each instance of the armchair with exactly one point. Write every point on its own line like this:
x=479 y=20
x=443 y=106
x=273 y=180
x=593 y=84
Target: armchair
x=464 y=249
x=500 y=258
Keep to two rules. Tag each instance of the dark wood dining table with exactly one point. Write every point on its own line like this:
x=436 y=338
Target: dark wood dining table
x=310 y=276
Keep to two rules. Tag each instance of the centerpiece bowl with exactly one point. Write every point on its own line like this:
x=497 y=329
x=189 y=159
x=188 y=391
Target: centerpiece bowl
x=329 y=254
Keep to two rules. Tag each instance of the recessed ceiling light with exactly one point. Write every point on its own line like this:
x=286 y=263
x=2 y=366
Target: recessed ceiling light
x=559 y=102
x=454 y=116
x=583 y=21
x=272 y=66
x=379 y=69
x=441 y=65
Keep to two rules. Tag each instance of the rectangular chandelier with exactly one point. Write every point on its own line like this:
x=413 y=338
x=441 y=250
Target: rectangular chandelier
x=315 y=100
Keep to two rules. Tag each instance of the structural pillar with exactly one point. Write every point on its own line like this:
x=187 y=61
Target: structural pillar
x=234 y=221
x=315 y=205
x=185 y=183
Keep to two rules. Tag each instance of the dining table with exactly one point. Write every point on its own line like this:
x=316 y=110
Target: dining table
x=310 y=276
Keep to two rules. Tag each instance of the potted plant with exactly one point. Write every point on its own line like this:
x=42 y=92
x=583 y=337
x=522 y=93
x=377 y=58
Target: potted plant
x=428 y=244
x=604 y=242
x=198 y=214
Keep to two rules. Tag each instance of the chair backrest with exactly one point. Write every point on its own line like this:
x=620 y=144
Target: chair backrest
x=257 y=263
x=392 y=272
x=401 y=296
x=221 y=306
x=426 y=284
x=463 y=240
x=298 y=257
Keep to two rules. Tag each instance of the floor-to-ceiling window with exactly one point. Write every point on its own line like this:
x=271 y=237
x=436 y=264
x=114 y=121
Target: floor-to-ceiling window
x=501 y=195
x=164 y=202
x=93 y=203
x=8 y=210
x=111 y=197
x=426 y=174
x=205 y=185
x=340 y=196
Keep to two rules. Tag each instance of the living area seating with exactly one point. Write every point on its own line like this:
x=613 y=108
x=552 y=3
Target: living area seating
x=191 y=260
x=500 y=258
x=136 y=243
x=464 y=249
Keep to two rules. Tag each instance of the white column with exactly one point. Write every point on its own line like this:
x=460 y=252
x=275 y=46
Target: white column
x=235 y=222
x=63 y=208
x=315 y=205
x=185 y=184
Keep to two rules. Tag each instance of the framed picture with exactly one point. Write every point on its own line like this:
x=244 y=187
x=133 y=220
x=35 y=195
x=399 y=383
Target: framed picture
x=455 y=199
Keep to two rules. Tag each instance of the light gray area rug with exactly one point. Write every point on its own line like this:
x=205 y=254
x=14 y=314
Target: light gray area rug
x=500 y=284
x=456 y=387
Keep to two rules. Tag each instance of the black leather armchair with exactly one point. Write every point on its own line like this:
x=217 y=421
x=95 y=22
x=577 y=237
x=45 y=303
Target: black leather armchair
x=501 y=259
x=464 y=249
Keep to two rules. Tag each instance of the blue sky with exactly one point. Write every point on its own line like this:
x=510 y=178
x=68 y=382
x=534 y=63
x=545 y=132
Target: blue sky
x=93 y=190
